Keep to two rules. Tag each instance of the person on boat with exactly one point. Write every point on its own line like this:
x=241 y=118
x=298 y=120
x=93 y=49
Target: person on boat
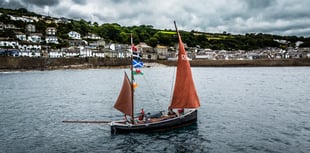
x=181 y=111
x=142 y=115
x=171 y=113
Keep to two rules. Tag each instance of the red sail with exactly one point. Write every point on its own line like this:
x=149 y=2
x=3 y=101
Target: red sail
x=124 y=101
x=184 y=95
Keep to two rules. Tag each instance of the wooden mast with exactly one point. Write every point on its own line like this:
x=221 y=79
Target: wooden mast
x=132 y=79
x=176 y=28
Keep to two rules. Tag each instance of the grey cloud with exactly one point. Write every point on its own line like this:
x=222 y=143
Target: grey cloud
x=259 y=4
x=66 y=11
x=11 y=4
x=41 y=2
x=127 y=1
x=234 y=16
x=81 y=2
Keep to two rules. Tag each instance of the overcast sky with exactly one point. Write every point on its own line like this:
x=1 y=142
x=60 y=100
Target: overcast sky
x=282 y=17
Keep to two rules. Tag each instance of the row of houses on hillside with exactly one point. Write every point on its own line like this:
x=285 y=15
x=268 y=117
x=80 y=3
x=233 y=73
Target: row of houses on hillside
x=97 y=48
x=159 y=52
x=31 y=19
x=267 y=53
x=31 y=34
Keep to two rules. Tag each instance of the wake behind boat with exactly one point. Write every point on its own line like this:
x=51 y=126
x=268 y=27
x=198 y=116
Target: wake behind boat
x=183 y=109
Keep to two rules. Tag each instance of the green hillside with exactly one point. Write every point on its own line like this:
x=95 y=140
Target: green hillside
x=113 y=32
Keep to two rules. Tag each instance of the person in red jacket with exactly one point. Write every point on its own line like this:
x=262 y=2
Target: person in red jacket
x=141 y=116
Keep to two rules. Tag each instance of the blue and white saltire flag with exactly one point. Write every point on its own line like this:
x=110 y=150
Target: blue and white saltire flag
x=137 y=63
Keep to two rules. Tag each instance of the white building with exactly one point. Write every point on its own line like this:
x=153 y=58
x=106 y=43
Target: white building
x=13 y=44
x=35 y=37
x=29 y=47
x=56 y=54
x=18 y=18
x=86 y=52
x=51 y=39
x=31 y=28
x=30 y=54
x=98 y=54
x=51 y=31
x=74 y=35
x=92 y=36
x=21 y=36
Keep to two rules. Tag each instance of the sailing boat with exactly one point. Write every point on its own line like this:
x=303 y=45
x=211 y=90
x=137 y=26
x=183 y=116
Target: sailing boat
x=184 y=101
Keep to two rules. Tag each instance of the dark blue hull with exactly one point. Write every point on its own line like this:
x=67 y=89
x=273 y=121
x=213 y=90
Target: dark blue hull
x=160 y=126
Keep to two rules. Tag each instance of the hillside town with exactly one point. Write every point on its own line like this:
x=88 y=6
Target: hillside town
x=28 y=42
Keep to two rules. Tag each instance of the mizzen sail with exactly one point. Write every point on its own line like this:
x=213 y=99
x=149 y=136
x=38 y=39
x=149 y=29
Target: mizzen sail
x=184 y=94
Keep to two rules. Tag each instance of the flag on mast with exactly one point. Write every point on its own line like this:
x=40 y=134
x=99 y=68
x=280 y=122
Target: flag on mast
x=137 y=57
x=138 y=72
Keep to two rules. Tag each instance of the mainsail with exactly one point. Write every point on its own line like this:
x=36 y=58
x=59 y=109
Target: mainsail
x=124 y=101
x=184 y=95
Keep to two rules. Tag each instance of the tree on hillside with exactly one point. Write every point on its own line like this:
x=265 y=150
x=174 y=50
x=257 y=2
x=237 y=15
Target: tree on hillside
x=153 y=41
x=111 y=32
x=40 y=26
x=202 y=40
x=125 y=38
x=165 y=39
x=189 y=38
x=5 y=18
x=84 y=27
x=305 y=44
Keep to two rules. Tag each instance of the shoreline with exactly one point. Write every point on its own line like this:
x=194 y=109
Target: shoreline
x=42 y=64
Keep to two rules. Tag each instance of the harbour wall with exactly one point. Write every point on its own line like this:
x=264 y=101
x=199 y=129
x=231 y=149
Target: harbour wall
x=244 y=63
x=28 y=63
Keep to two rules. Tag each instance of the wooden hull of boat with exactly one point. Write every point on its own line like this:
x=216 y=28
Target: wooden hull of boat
x=164 y=125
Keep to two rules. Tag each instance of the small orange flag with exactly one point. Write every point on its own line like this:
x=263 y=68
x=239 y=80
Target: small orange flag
x=134 y=85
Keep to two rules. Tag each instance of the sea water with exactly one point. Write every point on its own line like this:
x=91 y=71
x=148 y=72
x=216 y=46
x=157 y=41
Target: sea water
x=261 y=109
